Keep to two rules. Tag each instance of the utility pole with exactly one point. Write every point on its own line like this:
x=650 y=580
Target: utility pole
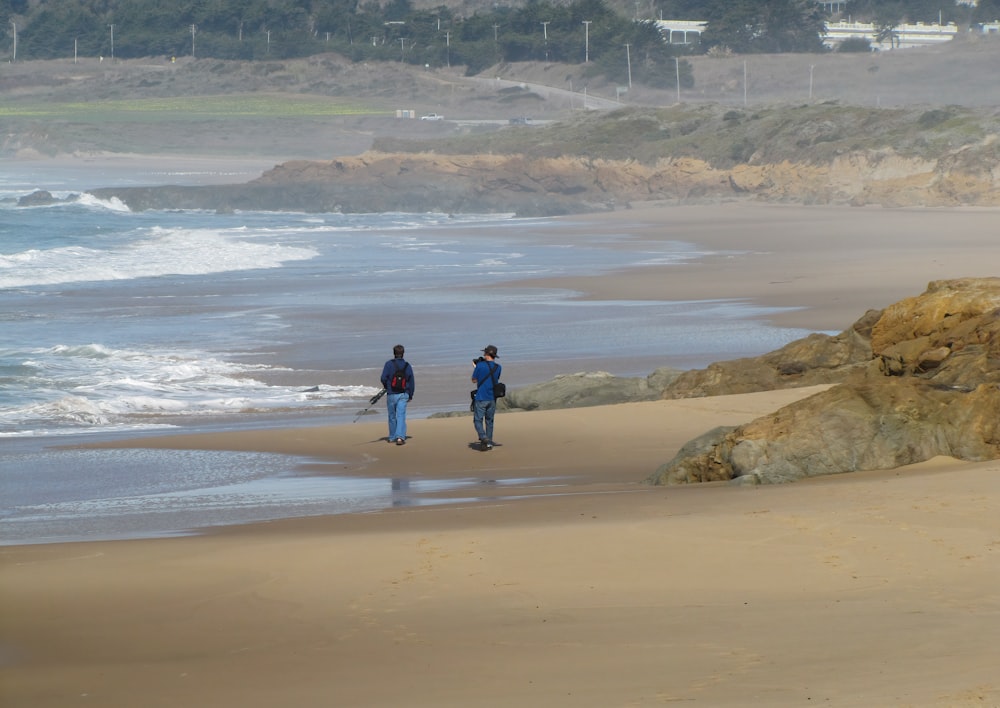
x=194 y=28
x=744 y=83
x=402 y=40
x=811 y=67
x=13 y=57
x=447 y=44
x=628 y=59
x=677 y=72
x=495 y=28
x=586 y=45
x=112 y=42
x=545 y=33
x=267 y=50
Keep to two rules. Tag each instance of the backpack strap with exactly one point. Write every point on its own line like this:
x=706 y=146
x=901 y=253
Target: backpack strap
x=493 y=371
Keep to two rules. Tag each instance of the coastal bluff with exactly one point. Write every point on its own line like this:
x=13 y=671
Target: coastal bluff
x=603 y=161
x=928 y=386
x=544 y=186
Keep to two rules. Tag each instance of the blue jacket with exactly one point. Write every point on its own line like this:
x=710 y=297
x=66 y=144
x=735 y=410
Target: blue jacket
x=485 y=378
x=390 y=368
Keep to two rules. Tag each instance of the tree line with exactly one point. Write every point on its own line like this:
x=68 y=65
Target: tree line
x=585 y=31
x=581 y=32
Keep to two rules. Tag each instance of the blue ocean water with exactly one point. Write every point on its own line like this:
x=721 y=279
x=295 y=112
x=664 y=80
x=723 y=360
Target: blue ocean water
x=117 y=322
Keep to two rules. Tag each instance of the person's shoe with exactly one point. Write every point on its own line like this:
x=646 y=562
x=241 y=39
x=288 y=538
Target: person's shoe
x=390 y=440
x=489 y=444
x=400 y=441
x=484 y=445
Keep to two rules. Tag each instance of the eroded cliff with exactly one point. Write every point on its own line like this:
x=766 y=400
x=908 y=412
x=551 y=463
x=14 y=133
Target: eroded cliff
x=816 y=154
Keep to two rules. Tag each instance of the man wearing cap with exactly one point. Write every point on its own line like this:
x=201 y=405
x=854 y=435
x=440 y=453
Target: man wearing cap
x=484 y=403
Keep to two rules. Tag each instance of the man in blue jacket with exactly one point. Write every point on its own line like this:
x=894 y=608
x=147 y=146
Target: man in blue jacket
x=484 y=403
x=397 y=378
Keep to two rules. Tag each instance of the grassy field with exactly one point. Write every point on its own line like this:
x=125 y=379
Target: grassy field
x=182 y=108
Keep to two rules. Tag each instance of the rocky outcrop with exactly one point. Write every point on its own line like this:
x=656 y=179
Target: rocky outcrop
x=932 y=388
x=949 y=335
x=39 y=197
x=815 y=359
x=589 y=389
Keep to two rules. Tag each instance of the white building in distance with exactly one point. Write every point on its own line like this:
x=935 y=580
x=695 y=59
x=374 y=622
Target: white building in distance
x=918 y=34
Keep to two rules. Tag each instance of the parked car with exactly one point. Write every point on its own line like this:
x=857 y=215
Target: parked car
x=432 y=116
x=520 y=120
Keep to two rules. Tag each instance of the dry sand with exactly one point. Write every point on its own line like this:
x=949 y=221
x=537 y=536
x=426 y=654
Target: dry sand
x=868 y=589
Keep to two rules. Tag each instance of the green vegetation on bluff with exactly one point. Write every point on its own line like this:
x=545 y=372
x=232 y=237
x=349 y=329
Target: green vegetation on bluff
x=812 y=134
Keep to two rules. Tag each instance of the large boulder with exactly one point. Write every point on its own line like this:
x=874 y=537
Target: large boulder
x=876 y=425
x=934 y=389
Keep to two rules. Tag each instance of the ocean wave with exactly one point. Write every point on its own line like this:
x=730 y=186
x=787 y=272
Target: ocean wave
x=159 y=252
x=113 y=204
x=93 y=386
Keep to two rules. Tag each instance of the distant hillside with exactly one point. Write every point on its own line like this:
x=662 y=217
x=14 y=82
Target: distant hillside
x=65 y=107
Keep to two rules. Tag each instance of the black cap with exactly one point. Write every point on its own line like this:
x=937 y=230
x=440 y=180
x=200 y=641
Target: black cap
x=490 y=350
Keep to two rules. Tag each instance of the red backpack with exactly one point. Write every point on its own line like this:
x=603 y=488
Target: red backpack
x=398 y=382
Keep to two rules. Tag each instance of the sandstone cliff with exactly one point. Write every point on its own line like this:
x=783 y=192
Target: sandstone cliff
x=931 y=387
x=824 y=154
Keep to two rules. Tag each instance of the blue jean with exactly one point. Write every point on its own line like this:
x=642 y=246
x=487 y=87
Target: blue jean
x=395 y=403
x=482 y=418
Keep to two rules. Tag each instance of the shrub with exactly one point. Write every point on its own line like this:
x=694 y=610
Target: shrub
x=933 y=117
x=855 y=44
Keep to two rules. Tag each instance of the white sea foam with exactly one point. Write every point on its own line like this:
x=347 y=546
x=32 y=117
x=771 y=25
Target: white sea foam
x=94 y=386
x=113 y=204
x=163 y=251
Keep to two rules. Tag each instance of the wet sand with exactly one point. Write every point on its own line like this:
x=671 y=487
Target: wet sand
x=831 y=262
x=577 y=585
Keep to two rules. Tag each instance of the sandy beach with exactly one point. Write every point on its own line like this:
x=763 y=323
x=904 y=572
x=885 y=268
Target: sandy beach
x=574 y=584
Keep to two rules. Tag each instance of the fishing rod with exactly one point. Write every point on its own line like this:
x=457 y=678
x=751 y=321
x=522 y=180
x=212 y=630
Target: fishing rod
x=371 y=402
